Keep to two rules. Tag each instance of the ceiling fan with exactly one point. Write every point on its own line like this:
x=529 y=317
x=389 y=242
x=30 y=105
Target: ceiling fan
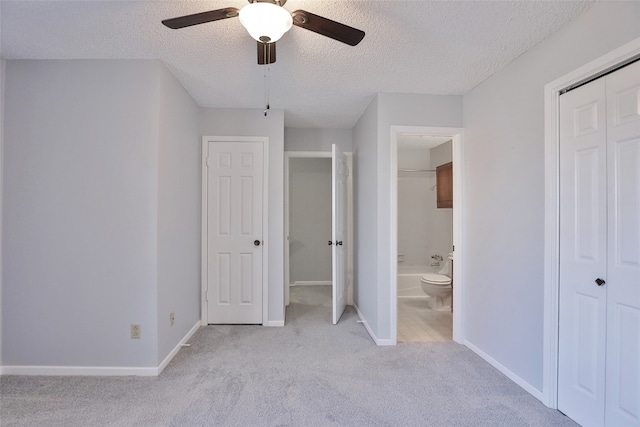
x=267 y=21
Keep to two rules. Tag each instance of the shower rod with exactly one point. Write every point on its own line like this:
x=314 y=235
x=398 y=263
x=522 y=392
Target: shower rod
x=416 y=170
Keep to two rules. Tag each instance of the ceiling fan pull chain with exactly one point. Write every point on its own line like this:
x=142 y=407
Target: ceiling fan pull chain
x=265 y=53
x=267 y=75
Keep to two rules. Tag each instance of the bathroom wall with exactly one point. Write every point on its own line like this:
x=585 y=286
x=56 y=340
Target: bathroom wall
x=309 y=219
x=441 y=154
x=414 y=203
x=423 y=229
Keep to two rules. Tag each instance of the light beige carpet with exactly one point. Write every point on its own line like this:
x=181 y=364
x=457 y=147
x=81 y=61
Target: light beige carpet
x=309 y=373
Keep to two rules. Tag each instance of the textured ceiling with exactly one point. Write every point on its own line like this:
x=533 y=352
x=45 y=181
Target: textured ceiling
x=435 y=47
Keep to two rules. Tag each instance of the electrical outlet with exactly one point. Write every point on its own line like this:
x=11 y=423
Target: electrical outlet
x=172 y=318
x=135 y=331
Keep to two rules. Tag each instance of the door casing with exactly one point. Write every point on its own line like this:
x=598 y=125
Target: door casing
x=265 y=223
x=288 y=155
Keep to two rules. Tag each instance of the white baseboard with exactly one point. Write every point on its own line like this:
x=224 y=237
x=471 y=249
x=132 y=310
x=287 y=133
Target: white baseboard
x=378 y=341
x=90 y=371
x=177 y=348
x=274 y=323
x=312 y=283
x=509 y=374
x=98 y=371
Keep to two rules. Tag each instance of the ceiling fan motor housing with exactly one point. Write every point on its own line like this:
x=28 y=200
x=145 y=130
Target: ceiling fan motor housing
x=277 y=2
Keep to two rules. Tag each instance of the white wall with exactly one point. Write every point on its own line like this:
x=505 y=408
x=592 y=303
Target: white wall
x=296 y=139
x=365 y=212
x=102 y=200
x=251 y=122
x=3 y=64
x=504 y=139
x=103 y=206
x=179 y=210
x=80 y=202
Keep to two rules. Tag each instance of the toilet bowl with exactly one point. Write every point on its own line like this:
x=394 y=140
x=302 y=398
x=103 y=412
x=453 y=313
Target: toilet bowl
x=438 y=287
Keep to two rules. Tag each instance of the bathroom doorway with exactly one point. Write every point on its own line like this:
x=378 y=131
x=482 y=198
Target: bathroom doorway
x=425 y=237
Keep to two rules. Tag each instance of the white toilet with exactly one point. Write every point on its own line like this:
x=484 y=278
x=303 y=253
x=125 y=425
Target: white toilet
x=438 y=287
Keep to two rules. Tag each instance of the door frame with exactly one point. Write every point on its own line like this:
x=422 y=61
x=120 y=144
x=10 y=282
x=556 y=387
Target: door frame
x=611 y=60
x=205 y=226
x=288 y=155
x=457 y=135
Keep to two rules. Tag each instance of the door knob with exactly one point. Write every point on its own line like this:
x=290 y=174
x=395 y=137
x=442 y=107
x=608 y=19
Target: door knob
x=256 y=242
x=339 y=242
x=600 y=282
x=330 y=243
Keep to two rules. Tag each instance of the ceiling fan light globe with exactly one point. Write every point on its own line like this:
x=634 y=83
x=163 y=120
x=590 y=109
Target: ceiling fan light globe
x=265 y=21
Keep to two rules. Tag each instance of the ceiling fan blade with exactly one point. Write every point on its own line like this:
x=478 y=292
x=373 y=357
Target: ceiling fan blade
x=200 y=18
x=266 y=53
x=327 y=27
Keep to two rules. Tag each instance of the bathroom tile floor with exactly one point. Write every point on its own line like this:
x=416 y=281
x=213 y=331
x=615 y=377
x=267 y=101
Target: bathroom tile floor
x=417 y=322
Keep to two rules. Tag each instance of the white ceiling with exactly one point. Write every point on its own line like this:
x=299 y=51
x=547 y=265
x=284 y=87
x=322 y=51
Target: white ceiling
x=435 y=47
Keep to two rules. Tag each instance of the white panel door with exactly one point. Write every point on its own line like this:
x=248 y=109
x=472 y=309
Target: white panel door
x=623 y=270
x=583 y=254
x=338 y=233
x=599 y=330
x=234 y=232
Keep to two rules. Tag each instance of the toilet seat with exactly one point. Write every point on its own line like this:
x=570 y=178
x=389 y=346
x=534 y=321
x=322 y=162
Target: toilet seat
x=436 y=279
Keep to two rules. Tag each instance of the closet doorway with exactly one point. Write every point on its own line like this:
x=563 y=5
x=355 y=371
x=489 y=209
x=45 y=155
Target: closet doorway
x=599 y=292
x=608 y=342
x=318 y=227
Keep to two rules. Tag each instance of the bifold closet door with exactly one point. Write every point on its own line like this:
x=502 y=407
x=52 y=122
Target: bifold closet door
x=623 y=254
x=599 y=295
x=583 y=254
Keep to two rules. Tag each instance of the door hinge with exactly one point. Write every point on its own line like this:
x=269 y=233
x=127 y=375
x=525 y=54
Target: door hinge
x=206 y=295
